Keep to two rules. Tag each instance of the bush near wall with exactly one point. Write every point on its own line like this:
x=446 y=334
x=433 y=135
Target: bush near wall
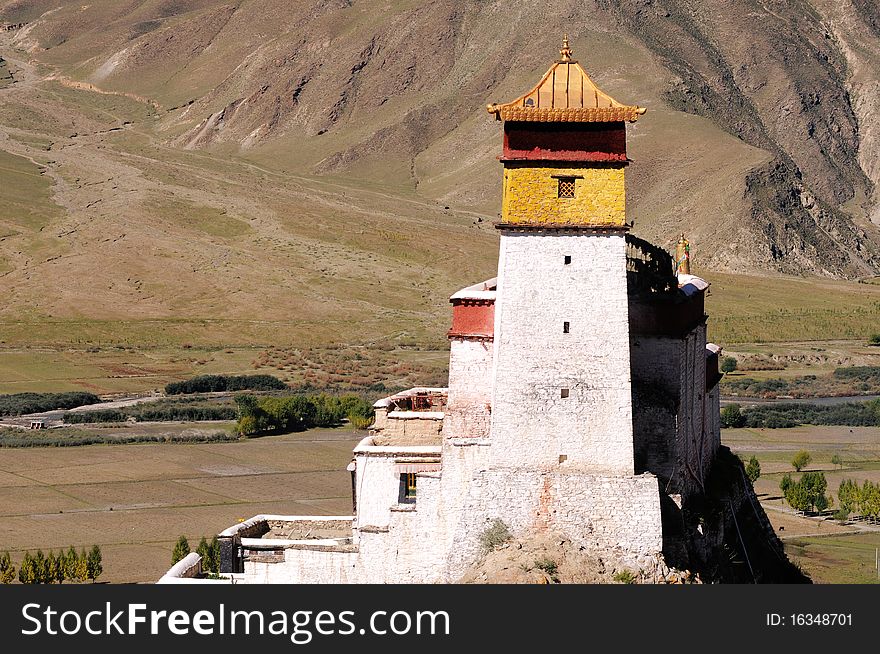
x=221 y=383
x=21 y=403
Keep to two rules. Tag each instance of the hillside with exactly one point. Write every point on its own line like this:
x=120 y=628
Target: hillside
x=329 y=166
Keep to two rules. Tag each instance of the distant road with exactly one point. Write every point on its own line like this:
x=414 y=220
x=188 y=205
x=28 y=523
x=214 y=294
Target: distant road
x=843 y=399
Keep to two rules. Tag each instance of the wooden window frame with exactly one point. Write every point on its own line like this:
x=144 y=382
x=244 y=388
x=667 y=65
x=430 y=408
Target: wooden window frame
x=566 y=187
x=407 y=493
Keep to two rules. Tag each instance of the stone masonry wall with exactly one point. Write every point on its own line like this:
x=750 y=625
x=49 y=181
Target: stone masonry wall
x=675 y=419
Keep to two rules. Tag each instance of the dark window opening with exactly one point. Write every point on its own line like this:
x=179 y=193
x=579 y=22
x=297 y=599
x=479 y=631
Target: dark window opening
x=565 y=327
x=566 y=259
x=564 y=393
x=407 y=488
x=565 y=187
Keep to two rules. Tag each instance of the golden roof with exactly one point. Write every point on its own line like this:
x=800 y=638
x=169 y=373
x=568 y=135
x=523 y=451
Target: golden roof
x=566 y=94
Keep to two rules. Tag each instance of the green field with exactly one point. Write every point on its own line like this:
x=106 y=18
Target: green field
x=777 y=309
x=837 y=559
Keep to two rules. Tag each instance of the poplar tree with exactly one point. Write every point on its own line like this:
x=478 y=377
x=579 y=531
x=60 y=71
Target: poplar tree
x=26 y=573
x=51 y=568
x=40 y=568
x=181 y=549
x=60 y=571
x=82 y=565
x=70 y=560
x=93 y=563
x=7 y=570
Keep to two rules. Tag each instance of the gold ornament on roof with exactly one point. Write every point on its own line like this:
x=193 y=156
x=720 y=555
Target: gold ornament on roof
x=565 y=53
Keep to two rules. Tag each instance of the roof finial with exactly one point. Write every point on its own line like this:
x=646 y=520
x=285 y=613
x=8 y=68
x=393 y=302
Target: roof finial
x=565 y=53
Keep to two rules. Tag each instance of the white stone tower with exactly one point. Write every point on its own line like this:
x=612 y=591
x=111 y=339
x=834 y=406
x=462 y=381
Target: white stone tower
x=561 y=390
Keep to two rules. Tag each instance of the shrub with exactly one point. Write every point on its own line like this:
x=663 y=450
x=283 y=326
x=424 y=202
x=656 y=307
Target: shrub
x=624 y=577
x=801 y=460
x=731 y=416
x=495 y=535
x=728 y=364
x=549 y=566
x=874 y=340
x=357 y=422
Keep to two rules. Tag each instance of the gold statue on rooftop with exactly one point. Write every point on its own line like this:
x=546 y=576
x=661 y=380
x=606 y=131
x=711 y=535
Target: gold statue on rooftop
x=683 y=256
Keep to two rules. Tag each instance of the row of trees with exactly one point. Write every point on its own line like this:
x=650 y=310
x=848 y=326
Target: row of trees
x=54 y=568
x=864 y=499
x=776 y=416
x=17 y=404
x=300 y=412
x=806 y=494
x=209 y=551
x=220 y=383
x=186 y=412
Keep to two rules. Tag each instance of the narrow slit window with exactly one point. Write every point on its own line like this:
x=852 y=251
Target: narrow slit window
x=565 y=327
x=566 y=260
x=565 y=187
x=564 y=393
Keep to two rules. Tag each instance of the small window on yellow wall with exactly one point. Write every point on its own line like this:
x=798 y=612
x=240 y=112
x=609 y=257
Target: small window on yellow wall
x=566 y=187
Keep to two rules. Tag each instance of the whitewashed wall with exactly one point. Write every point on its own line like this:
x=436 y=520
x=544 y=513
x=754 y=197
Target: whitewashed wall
x=470 y=389
x=532 y=425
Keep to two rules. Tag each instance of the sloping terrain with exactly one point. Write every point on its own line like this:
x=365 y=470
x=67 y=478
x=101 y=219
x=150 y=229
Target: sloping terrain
x=330 y=164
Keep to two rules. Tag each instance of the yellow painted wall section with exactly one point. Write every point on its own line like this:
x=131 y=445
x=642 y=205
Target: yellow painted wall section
x=530 y=196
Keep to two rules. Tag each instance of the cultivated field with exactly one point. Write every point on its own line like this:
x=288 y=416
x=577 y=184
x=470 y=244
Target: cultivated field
x=829 y=552
x=135 y=500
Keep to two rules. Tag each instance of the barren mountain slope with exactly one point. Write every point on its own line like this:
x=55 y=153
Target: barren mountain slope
x=321 y=141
